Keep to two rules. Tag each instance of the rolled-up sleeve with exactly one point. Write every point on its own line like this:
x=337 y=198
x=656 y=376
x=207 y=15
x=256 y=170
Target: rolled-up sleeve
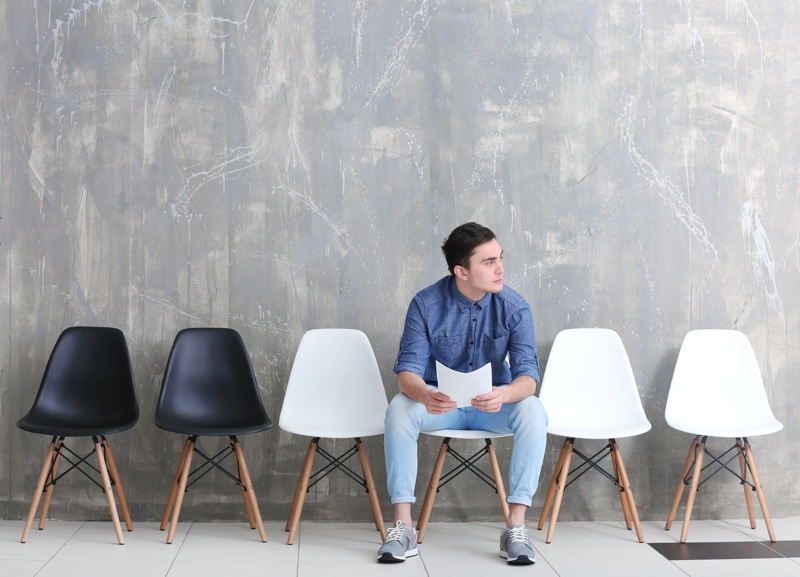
x=522 y=351
x=414 y=345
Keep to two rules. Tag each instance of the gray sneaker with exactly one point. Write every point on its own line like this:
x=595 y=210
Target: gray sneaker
x=400 y=544
x=515 y=547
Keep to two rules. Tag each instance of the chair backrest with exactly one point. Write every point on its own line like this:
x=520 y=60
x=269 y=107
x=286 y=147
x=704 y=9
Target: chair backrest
x=88 y=386
x=717 y=388
x=209 y=387
x=588 y=388
x=335 y=388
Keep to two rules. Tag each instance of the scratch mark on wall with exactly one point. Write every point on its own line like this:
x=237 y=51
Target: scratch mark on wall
x=238 y=160
x=759 y=251
x=751 y=18
x=167 y=306
x=306 y=201
x=394 y=67
x=672 y=196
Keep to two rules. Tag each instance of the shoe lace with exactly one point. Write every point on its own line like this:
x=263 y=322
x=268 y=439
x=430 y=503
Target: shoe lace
x=518 y=534
x=396 y=532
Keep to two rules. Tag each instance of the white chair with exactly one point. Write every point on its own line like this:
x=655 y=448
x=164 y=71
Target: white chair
x=335 y=391
x=465 y=463
x=589 y=392
x=717 y=391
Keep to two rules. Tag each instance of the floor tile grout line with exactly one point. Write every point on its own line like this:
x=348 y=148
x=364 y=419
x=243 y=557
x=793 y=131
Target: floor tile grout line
x=64 y=544
x=180 y=547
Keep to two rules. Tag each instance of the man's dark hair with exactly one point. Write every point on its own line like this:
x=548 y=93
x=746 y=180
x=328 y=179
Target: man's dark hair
x=461 y=243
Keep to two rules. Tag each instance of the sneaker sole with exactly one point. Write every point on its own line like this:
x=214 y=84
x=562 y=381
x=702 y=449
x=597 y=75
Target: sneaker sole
x=389 y=558
x=521 y=560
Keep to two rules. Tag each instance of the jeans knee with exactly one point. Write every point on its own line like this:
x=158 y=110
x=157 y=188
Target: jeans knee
x=400 y=415
x=531 y=414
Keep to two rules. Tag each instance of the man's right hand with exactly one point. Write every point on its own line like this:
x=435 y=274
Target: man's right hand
x=412 y=386
x=438 y=403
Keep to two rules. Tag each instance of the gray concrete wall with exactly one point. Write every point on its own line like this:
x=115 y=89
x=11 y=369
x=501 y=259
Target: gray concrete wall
x=286 y=165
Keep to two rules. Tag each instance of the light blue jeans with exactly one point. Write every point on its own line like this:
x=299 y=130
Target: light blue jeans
x=527 y=420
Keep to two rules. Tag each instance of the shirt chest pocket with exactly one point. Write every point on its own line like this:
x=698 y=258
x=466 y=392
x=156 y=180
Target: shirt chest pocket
x=496 y=348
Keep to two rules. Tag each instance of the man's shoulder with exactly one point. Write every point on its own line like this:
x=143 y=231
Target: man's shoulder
x=511 y=297
x=437 y=292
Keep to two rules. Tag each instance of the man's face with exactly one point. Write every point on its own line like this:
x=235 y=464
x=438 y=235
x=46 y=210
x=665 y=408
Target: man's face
x=485 y=272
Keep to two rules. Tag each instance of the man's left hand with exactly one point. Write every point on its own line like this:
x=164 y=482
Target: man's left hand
x=490 y=402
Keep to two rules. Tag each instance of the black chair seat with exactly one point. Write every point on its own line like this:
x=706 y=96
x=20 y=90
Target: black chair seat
x=221 y=429
x=60 y=427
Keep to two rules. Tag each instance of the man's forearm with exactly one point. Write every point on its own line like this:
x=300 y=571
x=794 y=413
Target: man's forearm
x=412 y=386
x=518 y=389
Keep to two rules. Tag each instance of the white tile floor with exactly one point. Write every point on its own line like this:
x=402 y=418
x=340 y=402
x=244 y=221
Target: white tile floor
x=67 y=549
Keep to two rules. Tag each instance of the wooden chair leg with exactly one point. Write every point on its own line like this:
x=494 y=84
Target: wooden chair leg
x=626 y=512
x=112 y=469
x=560 y=487
x=245 y=497
x=679 y=491
x=616 y=455
x=747 y=497
x=49 y=492
x=300 y=491
x=181 y=489
x=371 y=491
x=762 y=500
x=175 y=482
x=112 y=506
x=247 y=483
x=551 y=491
x=498 y=479
x=687 y=516
x=37 y=495
x=430 y=494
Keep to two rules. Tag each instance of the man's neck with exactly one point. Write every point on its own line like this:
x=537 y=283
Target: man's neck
x=468 y=291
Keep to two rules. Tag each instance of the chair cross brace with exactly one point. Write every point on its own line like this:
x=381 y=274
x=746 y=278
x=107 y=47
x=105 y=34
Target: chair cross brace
x=718 y=460
x=336 y=463
x=59 y=449
x=211 y=463
x=590 y=463
x=466 y=464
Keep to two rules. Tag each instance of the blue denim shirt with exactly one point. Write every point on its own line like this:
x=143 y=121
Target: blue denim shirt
x=443 y=325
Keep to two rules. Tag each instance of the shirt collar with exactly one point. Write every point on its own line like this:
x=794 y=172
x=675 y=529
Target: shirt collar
x=463 y=302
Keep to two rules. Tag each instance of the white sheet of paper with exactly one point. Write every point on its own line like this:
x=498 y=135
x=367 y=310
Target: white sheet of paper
x=463 y=387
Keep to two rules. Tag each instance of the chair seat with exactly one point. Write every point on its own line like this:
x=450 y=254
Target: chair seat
x=613 y=432
x=55 y=426
x=752 y=430
x=467 y=434
x=222 y=430
x=334 y=433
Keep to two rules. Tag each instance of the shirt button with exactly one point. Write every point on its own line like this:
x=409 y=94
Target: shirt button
x=474 y=320
x=472 y=342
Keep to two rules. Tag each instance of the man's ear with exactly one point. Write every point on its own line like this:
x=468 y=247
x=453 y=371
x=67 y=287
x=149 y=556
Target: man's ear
x=460 y=272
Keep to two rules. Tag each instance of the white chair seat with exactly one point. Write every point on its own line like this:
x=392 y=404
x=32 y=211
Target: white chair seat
x=609 y=432
x=333 y=432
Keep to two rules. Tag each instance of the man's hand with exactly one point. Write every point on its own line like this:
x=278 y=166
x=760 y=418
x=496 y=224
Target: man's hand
x=490 y=402
x=437 y=403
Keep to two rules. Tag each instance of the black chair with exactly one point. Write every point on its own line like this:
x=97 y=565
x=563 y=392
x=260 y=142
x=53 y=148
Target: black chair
x=87 y=390
x=209 y=389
